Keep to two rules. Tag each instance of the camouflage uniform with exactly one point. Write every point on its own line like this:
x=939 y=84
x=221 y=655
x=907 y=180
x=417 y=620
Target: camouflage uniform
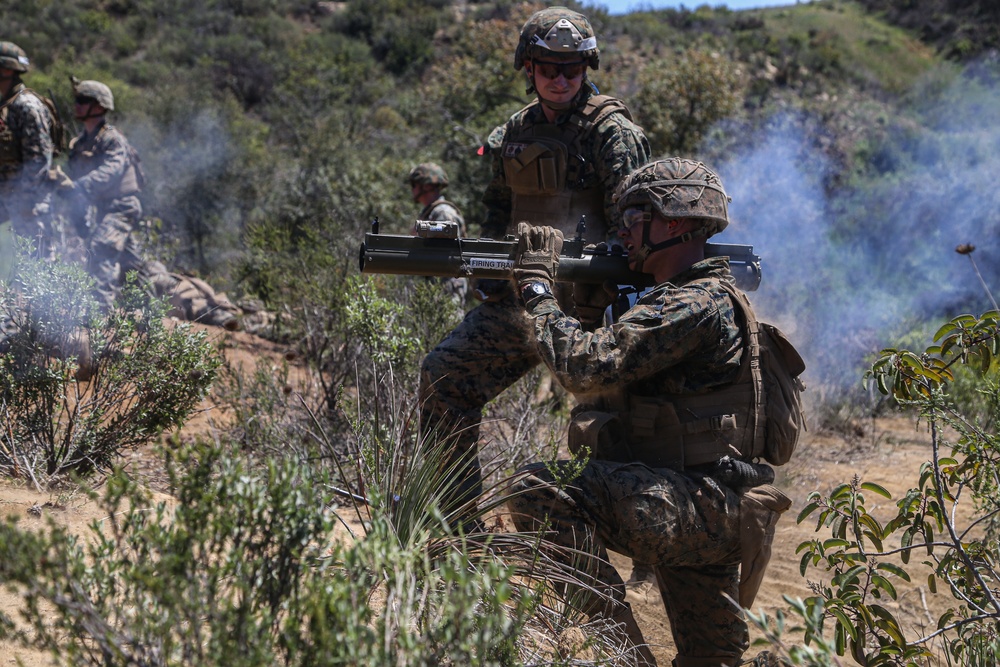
x=104 y=168
x=608 y=152
x=665 y=405
x=681 y=337
x=26 y=149
x=592 y=144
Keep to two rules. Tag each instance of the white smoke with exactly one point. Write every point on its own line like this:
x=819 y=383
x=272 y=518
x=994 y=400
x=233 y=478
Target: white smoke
x=844 y=272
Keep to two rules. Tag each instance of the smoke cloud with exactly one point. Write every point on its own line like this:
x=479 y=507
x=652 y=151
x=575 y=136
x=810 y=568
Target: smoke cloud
x=846 y=272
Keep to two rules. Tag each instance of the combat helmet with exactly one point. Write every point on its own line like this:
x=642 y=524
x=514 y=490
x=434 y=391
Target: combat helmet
x=428 y=173
x=557 y=32
x=13 y=57
x=677 y=188
x=97 y=91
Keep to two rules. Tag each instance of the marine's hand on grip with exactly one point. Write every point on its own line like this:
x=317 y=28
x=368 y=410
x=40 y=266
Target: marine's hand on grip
x=537 y=256
x=593 y=299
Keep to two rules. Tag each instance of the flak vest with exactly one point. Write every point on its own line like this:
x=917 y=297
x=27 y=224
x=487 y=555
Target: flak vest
x=10 y=146
x=679 y=431
x=552 y=183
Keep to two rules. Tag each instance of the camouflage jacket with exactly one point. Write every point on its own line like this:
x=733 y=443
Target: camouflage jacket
x=680 y=337
x=442 y=210
x=103 y=164
x=25 y=140
x=614 y=148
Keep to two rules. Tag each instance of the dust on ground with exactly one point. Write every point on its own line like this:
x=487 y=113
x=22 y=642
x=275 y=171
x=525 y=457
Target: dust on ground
x=888 y=451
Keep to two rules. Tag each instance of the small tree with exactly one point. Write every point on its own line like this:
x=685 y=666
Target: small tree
x=682 y=97
x=78 y=388
x=867 y=557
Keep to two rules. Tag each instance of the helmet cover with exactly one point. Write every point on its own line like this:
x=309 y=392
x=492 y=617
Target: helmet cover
x=96 y=91
x=428 y=173
x=557 y=33
x=13 y=57
x=677 y=188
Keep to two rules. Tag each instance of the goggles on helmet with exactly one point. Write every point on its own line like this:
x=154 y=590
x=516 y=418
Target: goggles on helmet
x=551 y=70
x=633 y=215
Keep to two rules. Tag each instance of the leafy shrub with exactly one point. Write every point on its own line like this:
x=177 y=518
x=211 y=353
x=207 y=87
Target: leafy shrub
x=78 y=388
x=682 y=97
x=864 y=566
x=243 y=567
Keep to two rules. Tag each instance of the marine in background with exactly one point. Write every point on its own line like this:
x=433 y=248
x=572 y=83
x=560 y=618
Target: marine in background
x=427 y=181
x=103 y=181
x=30 y=135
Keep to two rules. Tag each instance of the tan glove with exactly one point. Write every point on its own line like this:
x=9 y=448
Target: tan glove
x=64 y=184
x=537 y=256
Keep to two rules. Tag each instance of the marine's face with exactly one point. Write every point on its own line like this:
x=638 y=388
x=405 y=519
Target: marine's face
x=634 y=221
x=83 y=106
x=556 y=81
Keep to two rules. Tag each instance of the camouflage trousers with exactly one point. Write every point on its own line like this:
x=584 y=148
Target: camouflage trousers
x=490 y=349
x=111 y=250
x=685 y=523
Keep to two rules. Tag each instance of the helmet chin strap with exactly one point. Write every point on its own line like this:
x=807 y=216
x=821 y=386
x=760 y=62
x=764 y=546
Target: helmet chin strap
x=649 y=248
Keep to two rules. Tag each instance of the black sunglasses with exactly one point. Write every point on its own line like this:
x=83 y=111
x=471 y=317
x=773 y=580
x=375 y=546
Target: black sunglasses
x=551 y=70
x=83 y=99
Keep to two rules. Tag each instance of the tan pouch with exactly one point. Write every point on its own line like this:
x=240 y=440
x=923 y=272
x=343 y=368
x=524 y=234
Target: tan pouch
x=760 y=509
x=599 y=435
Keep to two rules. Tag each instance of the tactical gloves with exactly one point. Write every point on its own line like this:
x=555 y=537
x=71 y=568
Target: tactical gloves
x=537 y=255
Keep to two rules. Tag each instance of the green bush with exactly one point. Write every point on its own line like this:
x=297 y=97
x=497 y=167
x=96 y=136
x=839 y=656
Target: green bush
x=867 y=556
x=242 y=566
x=681 y=97
x=78 y=388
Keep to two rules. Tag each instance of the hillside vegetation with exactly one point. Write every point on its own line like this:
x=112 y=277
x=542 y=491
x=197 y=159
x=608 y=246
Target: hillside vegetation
x=273 y=132
x=858 y=141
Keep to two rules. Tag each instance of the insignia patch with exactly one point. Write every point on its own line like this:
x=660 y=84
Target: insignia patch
x=512 y=149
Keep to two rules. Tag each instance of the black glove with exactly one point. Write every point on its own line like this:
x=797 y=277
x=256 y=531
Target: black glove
x=593 y=300
x=537 y=254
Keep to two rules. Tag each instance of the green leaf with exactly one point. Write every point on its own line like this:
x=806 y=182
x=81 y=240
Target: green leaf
x=844 y=622
x=875 y=488
x=894 y=569
x=806 y=511
x=804 y=563
x=883 y=583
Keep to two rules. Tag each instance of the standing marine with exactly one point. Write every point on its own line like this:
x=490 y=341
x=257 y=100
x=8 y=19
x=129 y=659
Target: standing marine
x=426 y=181
x=556 y=161
x=29 y=136
x=104 y=180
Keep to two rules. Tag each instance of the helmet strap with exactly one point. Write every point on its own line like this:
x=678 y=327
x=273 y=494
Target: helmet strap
x=649 y=248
